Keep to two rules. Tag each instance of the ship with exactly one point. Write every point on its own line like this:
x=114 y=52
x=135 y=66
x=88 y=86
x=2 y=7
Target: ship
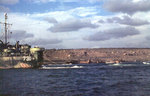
x=18 y=55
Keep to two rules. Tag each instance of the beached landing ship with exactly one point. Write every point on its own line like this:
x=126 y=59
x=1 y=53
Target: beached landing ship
x=19 y=56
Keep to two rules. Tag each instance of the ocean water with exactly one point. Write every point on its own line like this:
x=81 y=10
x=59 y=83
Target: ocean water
x=77 y=80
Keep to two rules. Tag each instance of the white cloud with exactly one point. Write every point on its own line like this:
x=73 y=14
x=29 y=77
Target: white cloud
x=136 y=0
x=113 y=33
x=90 y=1
x=71 y=25
x=62 y=1
x=20 y=35
x=126 y=20
x=51 y=20
x=37 y=25
x=42 y=1
x=39 y=41
x=78 y=12
x=9 y=1
x=127 y=6
x=84 y=11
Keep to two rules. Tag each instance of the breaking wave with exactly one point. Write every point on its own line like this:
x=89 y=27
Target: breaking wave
x=128 y=65
x=62 y=67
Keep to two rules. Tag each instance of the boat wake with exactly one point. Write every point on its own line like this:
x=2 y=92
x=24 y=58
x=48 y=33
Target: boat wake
x=147 y=63
x=127 y=65
x=62 y=67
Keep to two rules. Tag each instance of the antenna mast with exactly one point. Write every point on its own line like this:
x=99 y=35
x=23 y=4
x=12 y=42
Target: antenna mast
x=5 y=28
x=6 y=24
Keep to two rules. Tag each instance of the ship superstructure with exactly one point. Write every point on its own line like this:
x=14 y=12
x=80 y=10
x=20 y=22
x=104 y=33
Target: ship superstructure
x=18 y=55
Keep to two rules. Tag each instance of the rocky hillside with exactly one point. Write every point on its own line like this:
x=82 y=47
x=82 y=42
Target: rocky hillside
x=98 y=55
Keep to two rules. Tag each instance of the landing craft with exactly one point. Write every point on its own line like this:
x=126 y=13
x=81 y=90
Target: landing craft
x=18 y=55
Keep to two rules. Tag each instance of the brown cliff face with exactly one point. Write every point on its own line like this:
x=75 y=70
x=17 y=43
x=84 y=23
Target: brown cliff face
x=98 y=55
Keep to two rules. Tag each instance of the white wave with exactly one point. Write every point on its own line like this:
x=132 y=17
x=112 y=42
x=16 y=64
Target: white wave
x=118 y=64
x=67 y=64
x=147 y=63
x=62 y=67
x=115 y=64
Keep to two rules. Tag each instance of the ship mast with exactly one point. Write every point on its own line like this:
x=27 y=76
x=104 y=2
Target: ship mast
x=5 y=28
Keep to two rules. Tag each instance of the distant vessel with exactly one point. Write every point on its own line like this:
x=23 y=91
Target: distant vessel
x=19 y=56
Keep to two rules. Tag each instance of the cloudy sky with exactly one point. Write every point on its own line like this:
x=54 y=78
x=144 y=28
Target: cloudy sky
x=78 y=23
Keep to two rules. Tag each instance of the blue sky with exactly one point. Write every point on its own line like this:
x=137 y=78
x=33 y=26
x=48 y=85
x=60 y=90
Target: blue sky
x=32 y=6
x=78 y=23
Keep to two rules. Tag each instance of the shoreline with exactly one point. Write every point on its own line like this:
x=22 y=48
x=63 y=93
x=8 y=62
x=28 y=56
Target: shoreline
x=97 y=55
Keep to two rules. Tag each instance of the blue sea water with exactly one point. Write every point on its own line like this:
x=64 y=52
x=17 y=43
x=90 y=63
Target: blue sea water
x=77 y=80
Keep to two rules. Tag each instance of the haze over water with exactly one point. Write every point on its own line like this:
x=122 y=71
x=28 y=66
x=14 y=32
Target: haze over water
x=77 y=80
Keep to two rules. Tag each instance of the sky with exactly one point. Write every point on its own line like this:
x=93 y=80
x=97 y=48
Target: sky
x=73 y=24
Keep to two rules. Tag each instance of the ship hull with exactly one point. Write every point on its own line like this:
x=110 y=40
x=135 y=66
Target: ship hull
x=17 y=62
